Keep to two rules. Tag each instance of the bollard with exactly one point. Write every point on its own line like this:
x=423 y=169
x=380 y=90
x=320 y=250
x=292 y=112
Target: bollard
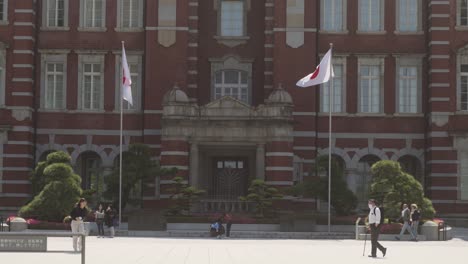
x=83 y=249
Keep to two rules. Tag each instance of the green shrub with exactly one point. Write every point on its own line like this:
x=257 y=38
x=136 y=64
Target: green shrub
x=60 y=192
x=262 y=196
x=183 y=196
x=393 y=187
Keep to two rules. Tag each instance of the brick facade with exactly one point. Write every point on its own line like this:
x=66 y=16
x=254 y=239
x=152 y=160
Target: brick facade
x=277 y=51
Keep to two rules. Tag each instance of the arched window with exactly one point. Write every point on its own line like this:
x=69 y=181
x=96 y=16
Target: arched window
x=88 y=166
x=232 y=83
x=364 y=178
x=412 y=166
x=44 y=155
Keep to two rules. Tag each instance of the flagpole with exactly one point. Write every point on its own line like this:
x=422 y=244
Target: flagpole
x=330 y=97
x=120 y=152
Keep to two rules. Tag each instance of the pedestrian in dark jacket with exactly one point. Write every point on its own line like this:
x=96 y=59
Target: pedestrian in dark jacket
x=78 y=214
x=109 y=219
x=415 y=216
x=406 y=217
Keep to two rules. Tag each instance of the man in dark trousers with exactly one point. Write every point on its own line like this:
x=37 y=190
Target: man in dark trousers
x=374 y=224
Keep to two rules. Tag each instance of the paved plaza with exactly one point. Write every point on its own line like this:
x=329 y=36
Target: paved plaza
x=126 y=250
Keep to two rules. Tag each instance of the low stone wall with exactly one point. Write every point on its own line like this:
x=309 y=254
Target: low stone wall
x=235 y=227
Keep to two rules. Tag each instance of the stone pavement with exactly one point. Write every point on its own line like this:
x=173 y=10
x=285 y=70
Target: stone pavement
x=130 y=250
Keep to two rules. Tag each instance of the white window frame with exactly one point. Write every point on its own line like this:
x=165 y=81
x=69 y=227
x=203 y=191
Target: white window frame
x=459 y=24
x=136 y=97
x=409 y=62
x=336 y=61
x=418 y=20
x=463 y=161
x=4 y=21
x=382 y=19
x=231 y=63
x=344 y=18
x=372 y=61
x=239 y=85
x=53 y=58
x=45 y=16
x=83 y=26
x=84 y=59
x=462 y=58
x=2 y=74
x=120 y=26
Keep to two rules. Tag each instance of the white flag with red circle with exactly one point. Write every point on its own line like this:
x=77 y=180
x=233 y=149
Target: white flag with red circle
x=322 y=73
x=126 y=79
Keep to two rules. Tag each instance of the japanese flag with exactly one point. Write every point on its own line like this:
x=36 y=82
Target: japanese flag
x=322 y=73
x=126 y=79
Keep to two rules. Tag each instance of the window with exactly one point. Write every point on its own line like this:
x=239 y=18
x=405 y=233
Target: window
x=464 y=175
x=364 y=179
x=231 y=83
x=2 y=74
x=130 y=13
x=3 y=10
x=464 y=87
x=93 y=13
x=408 y=15
x=135 y=65
x=408 y=86
x=370 y=73
x=89 y=167
x=371 y=15
x=333 y=15
x=232 y=18
x=56 y=13
x=55 y=86
x=91 y=83
x=338 y=90
x=462 y=13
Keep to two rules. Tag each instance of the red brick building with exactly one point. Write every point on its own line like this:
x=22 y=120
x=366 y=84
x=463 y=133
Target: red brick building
x=401 y=91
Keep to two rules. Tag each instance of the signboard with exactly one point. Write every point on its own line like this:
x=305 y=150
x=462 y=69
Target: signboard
x=23 y=243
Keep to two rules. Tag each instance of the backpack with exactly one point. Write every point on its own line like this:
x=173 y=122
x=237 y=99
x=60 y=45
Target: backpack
x=382 y=218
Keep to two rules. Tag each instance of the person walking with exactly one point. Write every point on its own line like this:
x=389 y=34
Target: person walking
x=227 y=218
x=99 y=216
x=78 y=214
x=374 y=224
x=406 y=216
x=109 y=219
x=415 y=215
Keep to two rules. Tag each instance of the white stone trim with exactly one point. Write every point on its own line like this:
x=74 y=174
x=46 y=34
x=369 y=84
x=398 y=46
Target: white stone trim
x=174 y=153
x=28 y=80
x=279 y=154
x=442 y=162
x=279 y=183
x=277 y=168
x=99 y=132
x=23 y=66
x=439 y=29
x=24 y=24
x=304 y=133
x=304 y=148
x=184 y=168
x=443 y=188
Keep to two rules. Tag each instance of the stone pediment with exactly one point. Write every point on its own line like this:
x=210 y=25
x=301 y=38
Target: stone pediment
x=227 y=107
x=227 y=102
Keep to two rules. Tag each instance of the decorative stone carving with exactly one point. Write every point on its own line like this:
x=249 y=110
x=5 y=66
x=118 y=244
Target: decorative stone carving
x=439 y=120
x=21 y=114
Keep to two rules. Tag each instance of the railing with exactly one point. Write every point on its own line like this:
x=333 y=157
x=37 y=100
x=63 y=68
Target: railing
x=442 y=228
x=211 y=206
x=3 y=224
x=28 y=245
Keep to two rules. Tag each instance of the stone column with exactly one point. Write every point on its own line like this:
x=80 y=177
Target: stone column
x=260 y=162
x=194 y=163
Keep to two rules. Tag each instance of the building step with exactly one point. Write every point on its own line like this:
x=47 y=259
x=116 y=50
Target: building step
x=244 y=234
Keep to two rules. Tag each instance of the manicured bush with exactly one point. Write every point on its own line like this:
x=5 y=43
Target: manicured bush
x=183 y=196
x=262 y=196
x=393 y=187
x=60 y=192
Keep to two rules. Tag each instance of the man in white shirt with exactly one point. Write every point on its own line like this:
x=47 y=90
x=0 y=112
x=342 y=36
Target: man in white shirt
x=374 y=224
